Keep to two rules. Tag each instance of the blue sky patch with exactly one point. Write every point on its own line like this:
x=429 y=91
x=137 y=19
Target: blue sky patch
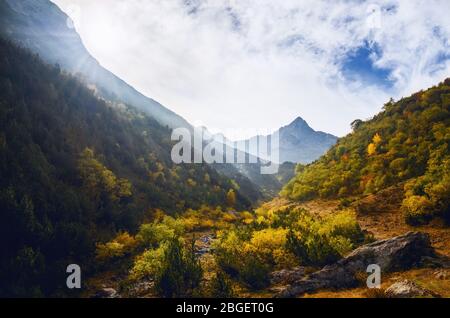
x=359 y=66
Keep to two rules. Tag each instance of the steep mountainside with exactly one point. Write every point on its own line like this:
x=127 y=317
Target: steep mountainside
x=76 y=169
x=407 y=141
x=299 y=143
x=42 y=27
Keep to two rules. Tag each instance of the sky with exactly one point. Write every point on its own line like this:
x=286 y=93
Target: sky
x=259 y=64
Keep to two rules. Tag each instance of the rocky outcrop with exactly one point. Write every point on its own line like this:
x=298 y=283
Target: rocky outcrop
x=408 y=289
x=287 y=276
x=396 y=254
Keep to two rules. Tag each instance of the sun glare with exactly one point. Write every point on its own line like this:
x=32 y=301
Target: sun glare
x=98 y=30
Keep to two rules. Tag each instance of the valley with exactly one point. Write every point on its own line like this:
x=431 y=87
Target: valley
x=336 y=224
x=385 y=222
x=88 y=178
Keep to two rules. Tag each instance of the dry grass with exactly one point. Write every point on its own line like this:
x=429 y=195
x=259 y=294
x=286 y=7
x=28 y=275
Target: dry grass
x=425 y=277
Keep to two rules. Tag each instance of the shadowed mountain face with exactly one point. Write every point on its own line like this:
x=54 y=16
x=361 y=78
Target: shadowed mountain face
x=298 y=142
x=42 y=27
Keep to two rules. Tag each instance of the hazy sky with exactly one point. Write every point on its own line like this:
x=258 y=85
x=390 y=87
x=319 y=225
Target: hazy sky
x=258 y=63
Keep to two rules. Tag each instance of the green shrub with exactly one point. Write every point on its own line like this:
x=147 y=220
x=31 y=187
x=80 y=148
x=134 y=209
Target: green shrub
x=149 y=263
x=312 y=249
x=343 y=224
x=236 y=255
x=152 y=234
x=269 y=246
x=181 y=272
x=123 y=244
x=254 y=273
x=221 y=286
x=418 y=210
x=317 y=242
x=440 y=196
x=344 y=203
x=228 y=251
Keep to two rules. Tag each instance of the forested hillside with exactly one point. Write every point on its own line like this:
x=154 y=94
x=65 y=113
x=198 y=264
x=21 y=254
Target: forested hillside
x=407 y=142
x=41 y=27
x=76 y=169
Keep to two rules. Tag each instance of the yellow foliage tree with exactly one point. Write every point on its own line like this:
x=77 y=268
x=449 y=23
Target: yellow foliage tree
x=231 y=198
x=97 y=179
x=269 y=246
x=246 y=217
x=372 y=149
x=149 y=263
x=377 y=139
x=121 y=245
x=191 y=182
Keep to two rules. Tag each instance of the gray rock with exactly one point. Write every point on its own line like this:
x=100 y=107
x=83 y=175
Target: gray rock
x=204 y=246
x=107 y=293
x=287 y=276
x=141 y=288
x=408 y=289
x=436 y=262
x=396 y=254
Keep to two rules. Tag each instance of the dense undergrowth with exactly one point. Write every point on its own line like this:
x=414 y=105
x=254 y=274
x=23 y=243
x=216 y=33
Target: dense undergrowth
x=247 y=248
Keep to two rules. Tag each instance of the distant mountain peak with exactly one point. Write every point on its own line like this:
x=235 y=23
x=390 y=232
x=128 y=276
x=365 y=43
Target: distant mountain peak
x=299 y=124
x=299 y=121
x=299 y=143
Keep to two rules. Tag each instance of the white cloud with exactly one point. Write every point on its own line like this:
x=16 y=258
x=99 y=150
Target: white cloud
x=262 y=63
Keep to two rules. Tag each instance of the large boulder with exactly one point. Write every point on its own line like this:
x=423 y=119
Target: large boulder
x=396 y=254
x=408 y=289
